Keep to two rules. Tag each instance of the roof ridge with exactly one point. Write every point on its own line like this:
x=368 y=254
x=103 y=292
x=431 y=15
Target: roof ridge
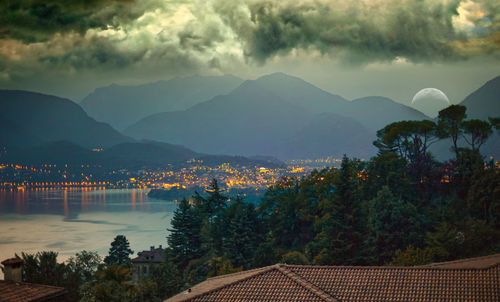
x=264 y=269
x=32 y=284
x=241 y=272
x=419 y=267
x=306 y=284
x=464 y=260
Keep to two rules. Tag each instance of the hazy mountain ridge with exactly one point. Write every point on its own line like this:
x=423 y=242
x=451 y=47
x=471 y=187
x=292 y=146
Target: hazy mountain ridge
x=275 y=115
x=238 y=123
x=375 y=112
x=30 y=118
x=121 y=106
x=326 y=136
x=270 y=115
x=481 y=104
x=37 y=128
x=485 y=101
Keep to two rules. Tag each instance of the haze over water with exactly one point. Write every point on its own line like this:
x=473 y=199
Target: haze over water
x=70 y=220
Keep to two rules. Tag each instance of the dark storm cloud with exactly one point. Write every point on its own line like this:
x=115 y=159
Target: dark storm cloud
x=417 y=30
x=191 y=38
x=94 y=53
x=132 y=40
x=37 y=20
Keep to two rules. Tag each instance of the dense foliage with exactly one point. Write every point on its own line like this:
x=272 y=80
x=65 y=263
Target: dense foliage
x=402 y=207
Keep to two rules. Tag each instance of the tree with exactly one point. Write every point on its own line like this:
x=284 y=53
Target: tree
x=387 y=169
x=495 y=122
x=219 y=266
x=413 y=256
x=483 y=197
x=85 y=263
x=215 y=202
x=167 y=278
x=294 y=257
x=43 y=268
x=242 y=236
x=450 y=122
x=184 y=239
x=210 y=210
x=119 y=252
x=112 y=284
x=410 y=139
x=279 y=209
x=340 y=239
x=476 y=132
x=393 y=224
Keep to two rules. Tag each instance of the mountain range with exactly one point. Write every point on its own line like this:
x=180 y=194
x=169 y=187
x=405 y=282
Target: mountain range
x=37 y=128
x=275 y=115
x=29 y=118
x=121 y=106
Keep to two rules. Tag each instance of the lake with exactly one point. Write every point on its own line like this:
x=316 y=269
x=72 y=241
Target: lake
x=74 y=219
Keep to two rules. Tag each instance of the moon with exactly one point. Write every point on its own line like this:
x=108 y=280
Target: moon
x=430 y=101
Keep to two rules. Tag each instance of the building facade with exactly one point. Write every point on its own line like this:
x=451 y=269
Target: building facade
x=145 y=261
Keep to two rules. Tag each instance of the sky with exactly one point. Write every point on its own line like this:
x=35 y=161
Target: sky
x=354 y=48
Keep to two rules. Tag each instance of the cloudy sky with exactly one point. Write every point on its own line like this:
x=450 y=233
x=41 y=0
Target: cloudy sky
x=353 y=48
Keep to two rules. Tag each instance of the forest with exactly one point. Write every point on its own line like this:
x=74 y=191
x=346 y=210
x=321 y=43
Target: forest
x=402 y=207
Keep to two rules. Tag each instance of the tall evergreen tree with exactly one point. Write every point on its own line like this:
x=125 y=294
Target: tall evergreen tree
x=340 y=238
x=119 y=252
x=184 y=239
x=216 y=201
x=393 y=224
x=242 y=236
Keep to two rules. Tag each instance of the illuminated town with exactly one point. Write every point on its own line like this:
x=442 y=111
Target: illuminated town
x=193 y=173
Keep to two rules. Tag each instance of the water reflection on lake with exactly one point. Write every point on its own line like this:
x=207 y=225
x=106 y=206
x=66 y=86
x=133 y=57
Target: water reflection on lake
x=74 y=219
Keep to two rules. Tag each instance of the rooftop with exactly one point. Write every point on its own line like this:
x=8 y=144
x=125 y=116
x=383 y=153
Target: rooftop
x=475 y=279
x=154 y=255
x=12 y=261
x=11 y=291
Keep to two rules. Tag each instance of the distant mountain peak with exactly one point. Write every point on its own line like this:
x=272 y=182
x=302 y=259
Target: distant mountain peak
x=124 y=105
x=485 y=101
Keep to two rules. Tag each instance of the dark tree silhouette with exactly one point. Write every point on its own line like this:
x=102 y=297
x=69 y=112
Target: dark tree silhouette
x=119 y=252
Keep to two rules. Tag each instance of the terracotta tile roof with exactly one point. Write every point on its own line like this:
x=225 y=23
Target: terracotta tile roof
x=479 y=282
x=263 y=284
x=12 y=261
x=479 y=262
x=11 y=291
x=404 y=284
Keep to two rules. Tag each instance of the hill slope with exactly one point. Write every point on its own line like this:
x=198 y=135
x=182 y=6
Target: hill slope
x=375 y=112
x=29 y=118
x=485 y=101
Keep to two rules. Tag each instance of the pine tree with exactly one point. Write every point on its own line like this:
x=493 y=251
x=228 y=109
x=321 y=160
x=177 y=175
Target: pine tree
x=184 y=239
x=216 y=201
x=119 y=252
x=211 y=210
x=242 y=236
x=393 y=224
x=340 y=240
